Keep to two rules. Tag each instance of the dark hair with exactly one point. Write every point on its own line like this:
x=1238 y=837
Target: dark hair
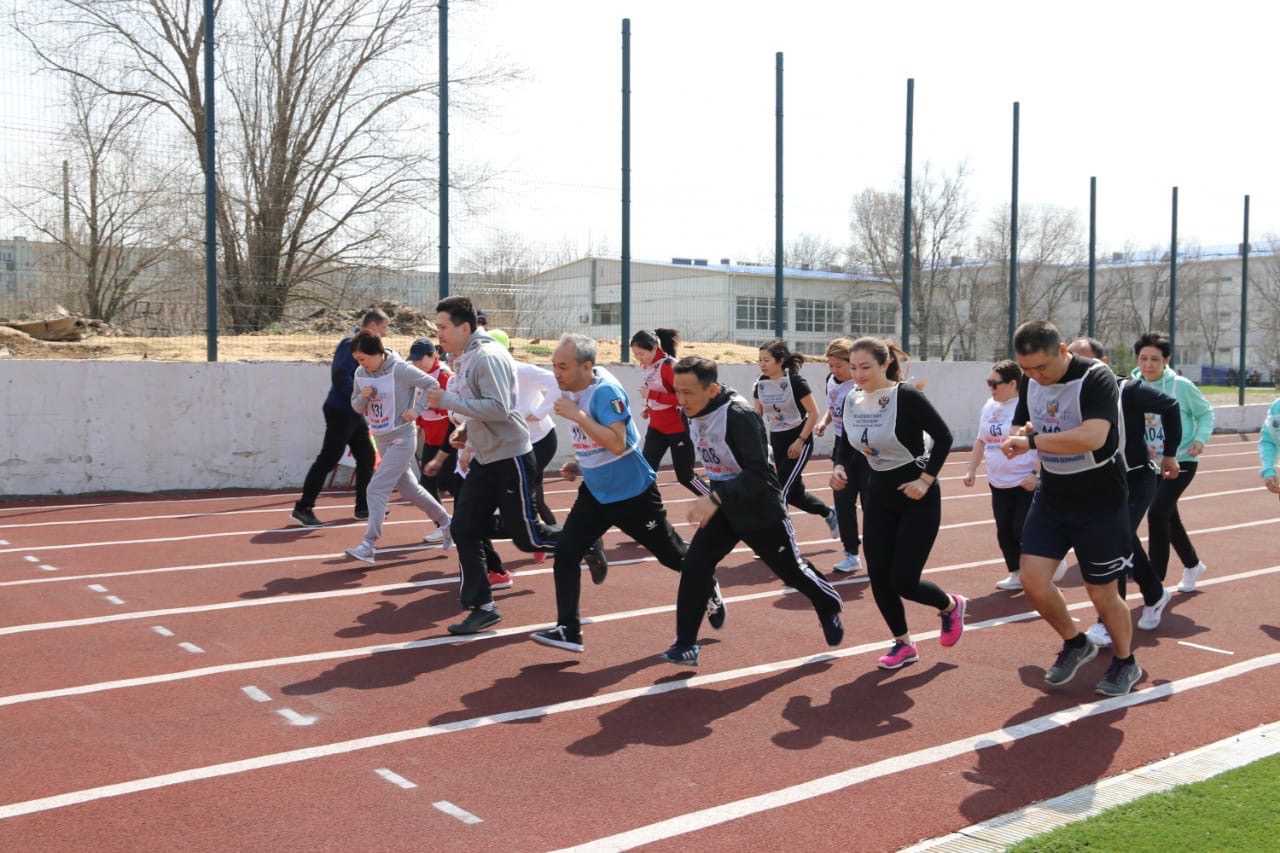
x=667 y=339
x=459 y=309
x=790 y=361
x=1159 y=340
x=706 y=370
x=367 y=342
x=1036 y=336
x=374 y=315
x=886 y=353
x=1007 y=370
x=1095 y=347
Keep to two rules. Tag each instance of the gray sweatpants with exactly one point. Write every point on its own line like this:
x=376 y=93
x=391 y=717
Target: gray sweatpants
x=397 y=471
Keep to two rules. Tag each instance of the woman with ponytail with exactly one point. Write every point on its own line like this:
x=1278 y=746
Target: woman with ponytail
x=655 y=353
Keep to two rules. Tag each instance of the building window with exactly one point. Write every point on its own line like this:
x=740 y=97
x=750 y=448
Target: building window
x=819 y=315
x=873 y=318
x=607 y=314
x=756 y=312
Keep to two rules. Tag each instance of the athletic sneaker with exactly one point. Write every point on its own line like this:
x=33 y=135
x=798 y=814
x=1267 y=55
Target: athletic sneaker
x=477 y=620
x=1191 y=576
x=681 y=654
x=1098 y=634
x=500 y=580
x=306 y=518
x=435 y=537
x=832 y=628
x=1069 y=662
x=953 y=622
x=833 y=524
x=1060 y=572
x=364 y=551
x=447 y=541
x=850 y=563
x=569 y=639
x=1120 y=678
x=363 y=514
x=596 y=562
x=899 y=656
x=1011 y=582
x=716 y=610
x=539 y=556
x=1150 y=618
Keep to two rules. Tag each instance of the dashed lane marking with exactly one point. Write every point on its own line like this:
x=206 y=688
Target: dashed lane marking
x=454 y=811
x=255 y=694
x=29 y=558
x=162 y=631
x=294 y=718
x=114 y=599
x=1205 y=648
x=97 y=587
x=191 y=647
x=46 y=567
x=394 y=778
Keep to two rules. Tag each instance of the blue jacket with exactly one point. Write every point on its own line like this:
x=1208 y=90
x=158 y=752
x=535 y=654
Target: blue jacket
x=342 y=374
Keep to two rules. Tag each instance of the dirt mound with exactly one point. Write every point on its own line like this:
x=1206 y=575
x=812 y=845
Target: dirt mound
x=405 y=320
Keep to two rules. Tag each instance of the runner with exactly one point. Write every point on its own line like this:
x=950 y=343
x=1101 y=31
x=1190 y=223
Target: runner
x=655 y=353
x=1069 y=411
x=783 y=399
x=618 y=489
x=744 y=505
x=1164 y=525
x=434 y=428
x=885 y=420
x=839 y=384
x=1268 y=443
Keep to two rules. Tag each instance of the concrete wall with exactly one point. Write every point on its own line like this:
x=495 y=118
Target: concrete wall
x=72 y=427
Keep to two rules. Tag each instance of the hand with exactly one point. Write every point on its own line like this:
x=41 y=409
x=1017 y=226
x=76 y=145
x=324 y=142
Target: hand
x=433 y=397
x=532 y=418
x=432 y=468
x=644 y=413
x=1169 y=467
x=368 y=391
x=1273 y=485
x=819 y=429
x=570 y=471
x=1030 y=482
x=839 y=480
x=458 y=439
x=701 y=511
x=969 y=477
x=1015 y=445
x=915 y=489
x=1195 y=449
x=796 y=448
x=568 y=409
x=408 y=415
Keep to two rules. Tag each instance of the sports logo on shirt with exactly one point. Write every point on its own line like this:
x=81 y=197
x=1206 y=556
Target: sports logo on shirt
x=883 y=401
x=618 y=406
x=1052 y=409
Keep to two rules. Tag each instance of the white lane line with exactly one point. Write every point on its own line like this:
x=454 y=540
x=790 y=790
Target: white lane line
x=4 y=541
x=191 y=647
x=255 y=694
x=97 y=587
x=715 y=815
x=294 y=718
x=1205 y=648
x=689 y=822
x=394 y=778
x=454 y=811
x=114 y=599
x=162 y=631
x=411 y=645
x=46 y=567
x=29 y=558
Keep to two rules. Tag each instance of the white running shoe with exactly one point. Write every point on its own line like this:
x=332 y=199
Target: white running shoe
x=1098 y=633
x=1191 y=576
x=1012 y=582
x=435 y=537
x=1060 y=572
x=850 y=563
x=364 y=552
x=1150 y=618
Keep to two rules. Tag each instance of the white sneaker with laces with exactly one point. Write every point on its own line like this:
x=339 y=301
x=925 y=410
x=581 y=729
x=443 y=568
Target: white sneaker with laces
x=1012 y=582
x=435 y=537
x=1191 y=576
x=850 y=563
x=1150 y=618
x=1098 y=633
x=363 y=552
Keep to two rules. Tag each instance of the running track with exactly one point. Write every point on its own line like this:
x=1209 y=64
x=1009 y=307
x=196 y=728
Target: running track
x=193 y=672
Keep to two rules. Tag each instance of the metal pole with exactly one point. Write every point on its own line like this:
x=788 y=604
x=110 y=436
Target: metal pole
x=1093 y=257
x=210 y=195
x=444 y=148
x=906 y=217
x=1013 y=236
x=779 y=306
x=1244 y=301
x=626 y=190
x=1173 y=282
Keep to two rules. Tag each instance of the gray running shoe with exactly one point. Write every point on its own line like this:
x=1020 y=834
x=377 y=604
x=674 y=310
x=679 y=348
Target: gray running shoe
x=1120 y=678
x=1069 y=661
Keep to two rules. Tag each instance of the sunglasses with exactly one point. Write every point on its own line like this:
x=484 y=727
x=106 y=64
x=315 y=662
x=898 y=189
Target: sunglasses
x=996 y=383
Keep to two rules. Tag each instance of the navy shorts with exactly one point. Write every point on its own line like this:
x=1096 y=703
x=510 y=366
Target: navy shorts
x=1102 y=539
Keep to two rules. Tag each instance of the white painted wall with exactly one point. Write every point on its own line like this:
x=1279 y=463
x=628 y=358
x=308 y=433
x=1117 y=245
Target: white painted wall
x=72 y=427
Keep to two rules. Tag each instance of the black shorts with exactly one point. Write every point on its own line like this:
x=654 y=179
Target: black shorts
x=1101 y=538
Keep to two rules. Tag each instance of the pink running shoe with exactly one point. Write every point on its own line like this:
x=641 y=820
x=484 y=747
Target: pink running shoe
x=953 y=622
x=539 y=556
x=500 y=580
x=899 y=656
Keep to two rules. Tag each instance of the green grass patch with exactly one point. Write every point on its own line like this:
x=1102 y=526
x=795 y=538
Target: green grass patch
x=1237 y=810
x=537 y=349
x=1229 y=395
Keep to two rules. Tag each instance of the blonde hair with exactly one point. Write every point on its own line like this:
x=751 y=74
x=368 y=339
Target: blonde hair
x=841 y=348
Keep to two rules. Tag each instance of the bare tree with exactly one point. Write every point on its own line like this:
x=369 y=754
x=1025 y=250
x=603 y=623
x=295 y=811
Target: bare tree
x=1052 y=263
x=807 y=252
x=1133 y=296
x=324 y=158
x=941 y=211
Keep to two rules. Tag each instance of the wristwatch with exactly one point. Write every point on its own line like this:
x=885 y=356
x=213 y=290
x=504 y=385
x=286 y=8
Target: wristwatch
x=1031 y=440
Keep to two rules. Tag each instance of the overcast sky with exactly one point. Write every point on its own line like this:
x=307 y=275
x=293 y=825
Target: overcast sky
x=1143 y=95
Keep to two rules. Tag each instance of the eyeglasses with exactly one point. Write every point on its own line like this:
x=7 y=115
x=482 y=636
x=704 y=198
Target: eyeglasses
x=996 y=383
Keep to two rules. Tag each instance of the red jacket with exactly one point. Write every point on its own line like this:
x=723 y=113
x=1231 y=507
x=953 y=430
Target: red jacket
x=660 y=397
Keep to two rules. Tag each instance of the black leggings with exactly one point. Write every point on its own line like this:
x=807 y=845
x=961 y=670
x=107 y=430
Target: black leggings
x=656 y=444
x=544 y=450
x=1164 y=525
x=898 y=534
x=342 y=429
x=791 y=471
x=844 y=502
x=1009 y=506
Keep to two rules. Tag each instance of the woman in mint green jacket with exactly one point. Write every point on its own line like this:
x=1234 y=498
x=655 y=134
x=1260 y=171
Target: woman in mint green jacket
x=1268 y=445
x=1164 y=525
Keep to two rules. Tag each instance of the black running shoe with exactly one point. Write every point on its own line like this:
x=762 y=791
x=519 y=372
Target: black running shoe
x=477 y=620
x=561 y=637
x=716 y=610
x=596 y=562
x=306 y=518
x=832 y=628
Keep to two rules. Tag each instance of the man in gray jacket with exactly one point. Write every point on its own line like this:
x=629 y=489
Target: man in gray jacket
x=503 y=472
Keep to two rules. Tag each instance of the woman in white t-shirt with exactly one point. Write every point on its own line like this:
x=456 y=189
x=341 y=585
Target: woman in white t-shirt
x=1012 y=481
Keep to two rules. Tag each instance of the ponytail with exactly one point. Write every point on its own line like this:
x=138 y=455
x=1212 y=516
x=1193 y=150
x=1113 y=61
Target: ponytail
x=670 y=339
x=790 y=361
x=887 y=354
